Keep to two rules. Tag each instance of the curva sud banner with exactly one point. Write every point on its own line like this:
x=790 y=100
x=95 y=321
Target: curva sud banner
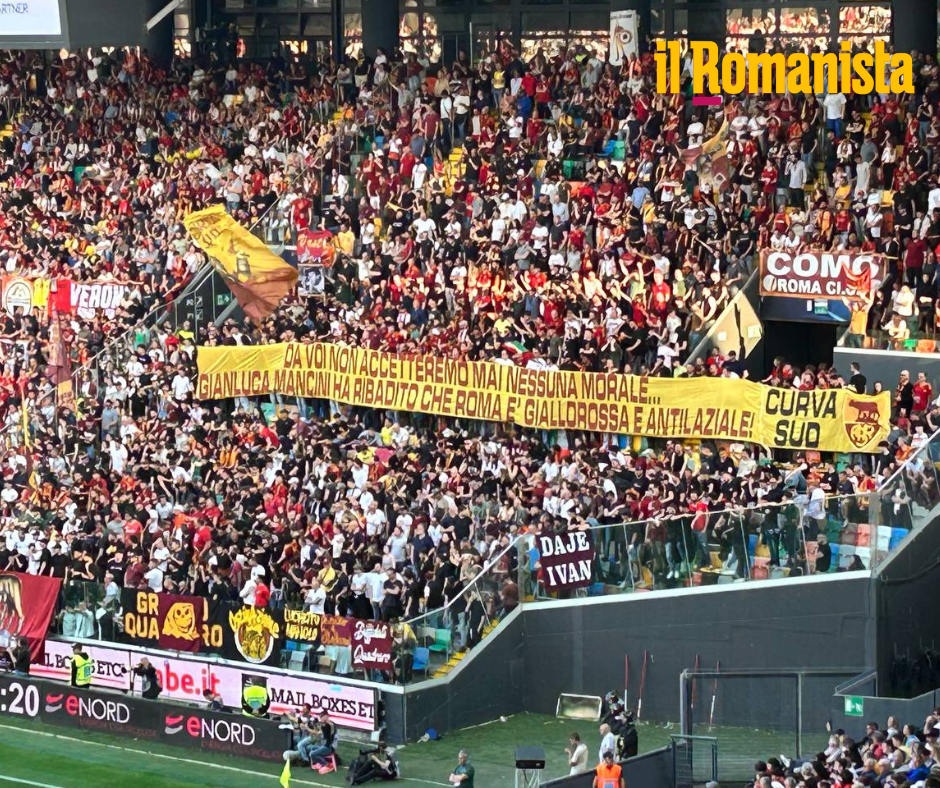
x=705 y=408
x=185 y=678
x=147 y=720
x=26 y=605
x=566 y=560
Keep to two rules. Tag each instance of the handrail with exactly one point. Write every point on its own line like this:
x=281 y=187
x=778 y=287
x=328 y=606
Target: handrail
x=895 y=477
x=467 y=588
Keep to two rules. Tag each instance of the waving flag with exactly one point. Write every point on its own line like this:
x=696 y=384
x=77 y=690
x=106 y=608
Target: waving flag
x=258 y=278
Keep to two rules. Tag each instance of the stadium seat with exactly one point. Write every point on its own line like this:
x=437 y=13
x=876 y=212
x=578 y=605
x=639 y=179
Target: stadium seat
x=620 y=150
x=426 y=635
x=883 y=537
x=442 y=640
x=897 y=536
x=863 y=539
x=422 y=658
x=926 y=346
x=864 y=553
x=834 y=564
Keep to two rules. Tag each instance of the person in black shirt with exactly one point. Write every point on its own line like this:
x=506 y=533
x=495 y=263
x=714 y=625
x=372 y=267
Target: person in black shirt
x=19 y=656
x=150 y=688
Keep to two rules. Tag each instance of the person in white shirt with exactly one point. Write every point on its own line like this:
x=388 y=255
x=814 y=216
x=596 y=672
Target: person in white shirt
x=577 y=753
x=154 y=577
x=315 y=598
x=834 y=104
x=608 y=742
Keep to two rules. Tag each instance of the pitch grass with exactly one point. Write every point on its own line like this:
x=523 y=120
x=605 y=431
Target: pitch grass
x=42 y=755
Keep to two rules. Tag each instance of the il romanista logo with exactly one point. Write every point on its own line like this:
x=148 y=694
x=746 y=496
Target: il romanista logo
x=845 y=72
x=861 y=420
x=255 y=633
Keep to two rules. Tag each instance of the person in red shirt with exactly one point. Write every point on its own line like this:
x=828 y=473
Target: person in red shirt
x=923 y=392
x=262 y=593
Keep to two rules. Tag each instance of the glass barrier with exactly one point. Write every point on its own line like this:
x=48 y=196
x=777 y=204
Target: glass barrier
x=431 y=645
x=802 y=536
x=799 y=537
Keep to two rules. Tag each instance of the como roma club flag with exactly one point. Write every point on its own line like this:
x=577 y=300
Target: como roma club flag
x=258 y=278
x=26 y=605
x=566 y=559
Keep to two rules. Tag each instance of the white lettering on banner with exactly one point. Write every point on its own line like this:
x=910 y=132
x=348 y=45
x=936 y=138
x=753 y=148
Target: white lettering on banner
x=88 y=298
x=367 y=630
x=819 y=274
x=566 y=574
x=221 y=730
x=566 y=559
x=360 y=654
x=576 y=540
x=185 y=679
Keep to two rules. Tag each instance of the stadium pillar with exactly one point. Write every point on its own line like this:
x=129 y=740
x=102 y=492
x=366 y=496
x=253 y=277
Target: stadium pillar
x=379 y=26
x=707 y=22
x=642 y=8
x=915 y=26
x=159 y=41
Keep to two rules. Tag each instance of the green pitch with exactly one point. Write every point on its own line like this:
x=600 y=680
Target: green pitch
x=52 y=757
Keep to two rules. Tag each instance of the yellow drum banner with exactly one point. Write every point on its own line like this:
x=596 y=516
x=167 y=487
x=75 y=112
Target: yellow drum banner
x=706 y=408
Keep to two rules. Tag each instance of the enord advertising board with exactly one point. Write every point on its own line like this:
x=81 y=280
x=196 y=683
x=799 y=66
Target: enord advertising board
x=147 y=720
x=185 y=679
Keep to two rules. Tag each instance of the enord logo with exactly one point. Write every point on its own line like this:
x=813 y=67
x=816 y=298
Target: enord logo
x=735 y=73
x=173 y=724
x=54 y=702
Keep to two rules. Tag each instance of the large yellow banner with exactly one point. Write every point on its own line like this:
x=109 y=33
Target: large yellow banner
x=710 y=408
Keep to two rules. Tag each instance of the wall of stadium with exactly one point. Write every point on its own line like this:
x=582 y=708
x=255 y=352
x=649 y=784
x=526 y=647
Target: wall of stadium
x=908 y=618
x=579 y=646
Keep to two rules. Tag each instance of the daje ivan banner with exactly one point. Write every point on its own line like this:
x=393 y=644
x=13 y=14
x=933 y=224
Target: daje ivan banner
x=702 y=408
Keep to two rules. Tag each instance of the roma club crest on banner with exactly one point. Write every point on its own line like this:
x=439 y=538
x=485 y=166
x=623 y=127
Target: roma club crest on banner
x=255 y=634
x=862 y=420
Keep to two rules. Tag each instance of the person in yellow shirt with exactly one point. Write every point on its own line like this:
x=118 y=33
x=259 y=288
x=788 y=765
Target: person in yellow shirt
x=345 y=240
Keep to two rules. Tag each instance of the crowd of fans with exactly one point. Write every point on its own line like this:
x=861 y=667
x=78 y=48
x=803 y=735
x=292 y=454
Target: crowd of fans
x=575 y=232
x=893 y=756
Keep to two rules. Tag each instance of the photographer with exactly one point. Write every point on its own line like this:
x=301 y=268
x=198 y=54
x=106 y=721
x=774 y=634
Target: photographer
x=19 y=656
x=150 y=682
x=377 y=764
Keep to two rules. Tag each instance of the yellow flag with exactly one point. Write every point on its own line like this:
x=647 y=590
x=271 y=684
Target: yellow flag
x=258 y=278
x=27 y=438
x=285 y=775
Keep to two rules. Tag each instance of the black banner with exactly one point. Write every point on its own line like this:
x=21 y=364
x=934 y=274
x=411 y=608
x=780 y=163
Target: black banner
x=147 y=720
x=249 y=634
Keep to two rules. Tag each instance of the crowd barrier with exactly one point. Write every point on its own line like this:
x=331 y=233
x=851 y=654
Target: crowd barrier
x=185 y=678
x=146 y=720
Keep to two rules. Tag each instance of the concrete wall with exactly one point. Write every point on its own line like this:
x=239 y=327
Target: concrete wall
x=774 y=624
x=908 y=618
x=581 y=647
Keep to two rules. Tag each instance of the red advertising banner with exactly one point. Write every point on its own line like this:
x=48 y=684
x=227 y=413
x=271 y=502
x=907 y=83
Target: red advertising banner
x=371 y=645
x=315 y=246
x=26 y=605
x=566 y=559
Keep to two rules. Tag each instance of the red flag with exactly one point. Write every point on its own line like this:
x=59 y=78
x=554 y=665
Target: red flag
x=26 y=605
x=181 y=619
x=371 y=645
